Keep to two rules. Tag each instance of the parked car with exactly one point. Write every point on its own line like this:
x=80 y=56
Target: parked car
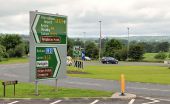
x=69 y=61
x=87 y=58
x=109 y=60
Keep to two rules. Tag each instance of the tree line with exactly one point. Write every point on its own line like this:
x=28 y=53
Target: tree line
x=119 y=48
x=12 y=45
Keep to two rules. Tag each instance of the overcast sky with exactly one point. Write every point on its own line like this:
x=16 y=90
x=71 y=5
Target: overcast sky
x=143 y=17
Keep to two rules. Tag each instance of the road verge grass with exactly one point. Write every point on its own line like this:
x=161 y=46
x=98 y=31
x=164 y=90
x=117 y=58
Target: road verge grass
x=15 y=60
x=26 y=90
x=149 y=74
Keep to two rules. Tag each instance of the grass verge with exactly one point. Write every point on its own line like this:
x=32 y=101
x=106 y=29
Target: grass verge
x=26 y=90
x=149 y=74
x=15 y=60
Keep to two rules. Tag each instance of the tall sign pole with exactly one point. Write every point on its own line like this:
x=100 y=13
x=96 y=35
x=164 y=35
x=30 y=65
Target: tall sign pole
x=127 y=45
x=48 y=46
x=100 y=42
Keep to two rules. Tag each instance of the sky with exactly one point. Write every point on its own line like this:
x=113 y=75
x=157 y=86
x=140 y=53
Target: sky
x=143 y=17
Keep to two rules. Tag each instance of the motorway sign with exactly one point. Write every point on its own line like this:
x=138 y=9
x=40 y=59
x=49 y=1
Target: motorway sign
x=76 y=51
x=50 y=29
x=47 y=62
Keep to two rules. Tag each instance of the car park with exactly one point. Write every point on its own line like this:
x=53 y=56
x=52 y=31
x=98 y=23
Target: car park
x=109 y=60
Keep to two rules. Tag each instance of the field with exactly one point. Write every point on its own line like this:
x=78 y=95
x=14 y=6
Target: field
x=149 y=57
x=26 y=90
x=150 y=74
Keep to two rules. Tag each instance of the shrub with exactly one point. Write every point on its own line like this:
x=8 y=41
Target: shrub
x=19 y=50
x=160 y=55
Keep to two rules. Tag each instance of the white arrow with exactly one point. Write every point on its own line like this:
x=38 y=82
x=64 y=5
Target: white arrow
x=153 y=100
x=34 y=28
x=58 y=62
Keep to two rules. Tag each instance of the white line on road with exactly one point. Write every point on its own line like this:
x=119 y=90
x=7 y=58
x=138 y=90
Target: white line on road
x=157 y=98
x=148 y=89
x=13 y=102
x=94 y=102
x=56 y=102
x=131 y=101
x=153 y=100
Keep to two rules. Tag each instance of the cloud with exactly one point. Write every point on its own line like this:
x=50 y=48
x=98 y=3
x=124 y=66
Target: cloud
x=142 y=16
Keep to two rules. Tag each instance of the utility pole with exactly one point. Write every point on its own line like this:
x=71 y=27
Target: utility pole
x=84 y=33
x=127 y=44
x=100 y=41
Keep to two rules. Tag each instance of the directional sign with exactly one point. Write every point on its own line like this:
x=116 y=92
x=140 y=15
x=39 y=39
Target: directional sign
x=47 y=62
x=76 y=51
x=50 y=29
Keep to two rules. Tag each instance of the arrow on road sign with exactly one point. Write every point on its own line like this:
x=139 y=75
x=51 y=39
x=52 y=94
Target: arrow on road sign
x=34 y=28
x=58 y=63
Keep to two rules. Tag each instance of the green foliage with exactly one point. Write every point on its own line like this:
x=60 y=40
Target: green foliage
x=112 y=46
x=2 y=52
x=136 y=52
x=10 y=41
x=26 y=46
x=169 y=55
x=69 y=47
x=160 y=55
x=19 y=50
x=91 y=50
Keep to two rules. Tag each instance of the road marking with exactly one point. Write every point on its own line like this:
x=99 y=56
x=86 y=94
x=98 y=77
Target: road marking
x=149 y=89
x=157 y=98
x=94 y=102
x=153 y=100
x=13 y=102
x=79 y=83
x=131 y=101
x=56 y=102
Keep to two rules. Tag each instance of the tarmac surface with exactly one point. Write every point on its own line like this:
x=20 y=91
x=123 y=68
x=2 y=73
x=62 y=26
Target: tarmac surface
x=156 y=92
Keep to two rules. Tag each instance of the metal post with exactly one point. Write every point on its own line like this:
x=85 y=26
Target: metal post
x=4 y=90
x=127 y=44
x=56 y=89
x=36 y=87
x=100 y=41
x=14 y=89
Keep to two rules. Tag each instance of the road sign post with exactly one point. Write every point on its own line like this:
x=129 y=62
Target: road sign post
x=48 y=46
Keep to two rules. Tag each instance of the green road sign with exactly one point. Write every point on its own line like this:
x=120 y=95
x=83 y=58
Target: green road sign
x=76 y=51
x=49 y=29
x=47 y=62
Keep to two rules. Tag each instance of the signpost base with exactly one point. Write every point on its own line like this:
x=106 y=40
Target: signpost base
x=56 y=88
x=36 y=87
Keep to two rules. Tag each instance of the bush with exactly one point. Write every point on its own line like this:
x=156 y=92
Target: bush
x=136 y=52
x=19 y=50
x=11 y=52
x=160 y=55
x=169 y=55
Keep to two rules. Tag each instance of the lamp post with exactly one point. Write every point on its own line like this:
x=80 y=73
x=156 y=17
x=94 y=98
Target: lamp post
x=127 y=44
x=100 y=41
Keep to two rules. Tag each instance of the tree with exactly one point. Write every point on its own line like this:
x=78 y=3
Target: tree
x=10 y=41
x=70 y=47
x=91 y=50
x=136 y=52
x=2 y=52
x=162 y=47
x=19 y=50
x=111 y=47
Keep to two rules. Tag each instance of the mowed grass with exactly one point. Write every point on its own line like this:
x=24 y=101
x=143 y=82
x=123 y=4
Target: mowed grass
x=149 y=57
x=150 y=74
x=15 y=60
x=26 y=90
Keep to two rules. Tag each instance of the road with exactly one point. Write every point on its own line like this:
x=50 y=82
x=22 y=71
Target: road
x=138 y=100
x=20 y=72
